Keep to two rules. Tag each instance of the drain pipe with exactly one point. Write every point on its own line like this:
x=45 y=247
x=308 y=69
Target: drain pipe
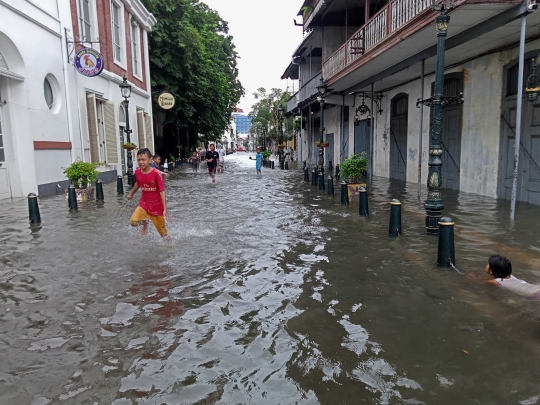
x=519 y=114
x=372 y=146
x=420 y=151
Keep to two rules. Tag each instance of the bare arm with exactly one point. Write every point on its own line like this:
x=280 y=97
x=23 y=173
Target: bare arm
x=133 y=191
x=164 y=202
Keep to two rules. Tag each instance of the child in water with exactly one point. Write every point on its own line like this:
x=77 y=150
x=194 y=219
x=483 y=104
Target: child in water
x=259 y=160
x=500 y=268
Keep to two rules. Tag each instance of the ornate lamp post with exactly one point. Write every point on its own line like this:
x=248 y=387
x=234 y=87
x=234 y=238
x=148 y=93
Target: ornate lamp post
x=533 y=87
x=177 y=124
x=322 y=89
x=125 y=88
x=434 y=205
x=280 y=146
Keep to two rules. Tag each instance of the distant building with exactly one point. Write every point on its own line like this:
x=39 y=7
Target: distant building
x=243 y=123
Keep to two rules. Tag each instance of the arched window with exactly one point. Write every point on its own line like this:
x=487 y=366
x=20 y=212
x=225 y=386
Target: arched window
x=122 y=115
x=48 y=91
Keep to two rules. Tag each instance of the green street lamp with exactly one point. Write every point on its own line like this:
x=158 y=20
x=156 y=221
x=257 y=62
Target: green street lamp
x=322 y=90
x=434 y=205
x=177 y=125
x=125 y=88
x=280 y=145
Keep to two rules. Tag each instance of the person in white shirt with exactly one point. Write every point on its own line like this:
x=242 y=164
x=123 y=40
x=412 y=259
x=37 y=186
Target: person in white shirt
x=500 y=268
x=221 y=165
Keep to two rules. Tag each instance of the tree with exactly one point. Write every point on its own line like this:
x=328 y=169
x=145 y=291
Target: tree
x=265 y=112
x=193 y=57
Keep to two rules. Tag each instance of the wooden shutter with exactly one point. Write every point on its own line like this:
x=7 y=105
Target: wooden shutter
x=148 y=129
x=111 y=144
x=93 y=135
x=140 y=129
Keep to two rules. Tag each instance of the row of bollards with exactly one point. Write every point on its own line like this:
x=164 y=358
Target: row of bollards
x=446 y=245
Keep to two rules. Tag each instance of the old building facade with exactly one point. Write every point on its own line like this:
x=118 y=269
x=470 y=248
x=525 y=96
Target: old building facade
x=50 y=115
x=379 y=58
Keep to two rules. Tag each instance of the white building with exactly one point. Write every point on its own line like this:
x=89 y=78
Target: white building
x=50 y=115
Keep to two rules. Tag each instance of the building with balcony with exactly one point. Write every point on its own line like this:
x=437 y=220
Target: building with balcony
x=379 y=57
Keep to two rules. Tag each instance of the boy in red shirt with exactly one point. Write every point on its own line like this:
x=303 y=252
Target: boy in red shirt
x=153 y=203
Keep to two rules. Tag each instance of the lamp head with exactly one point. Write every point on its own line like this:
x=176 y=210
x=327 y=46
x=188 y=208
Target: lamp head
x=441 y=23
x=125 y=88
x=322 y=88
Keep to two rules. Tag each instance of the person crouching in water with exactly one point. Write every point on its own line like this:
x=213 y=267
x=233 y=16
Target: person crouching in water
x=153 y=203
x=500 y=268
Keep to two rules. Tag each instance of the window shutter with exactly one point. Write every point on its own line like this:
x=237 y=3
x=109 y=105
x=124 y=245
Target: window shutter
x=140 y=129
x=148 y=128
x=111 y=144
x=93 y=136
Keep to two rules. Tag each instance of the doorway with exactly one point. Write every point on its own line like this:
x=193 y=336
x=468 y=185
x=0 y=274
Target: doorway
x=329 y=152
x=5 y=187
x=398 y=137
x=344 y=152
x=528 y=189
x=362 y=134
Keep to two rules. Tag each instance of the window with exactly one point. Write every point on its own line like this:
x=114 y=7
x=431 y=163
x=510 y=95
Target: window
x=135 y=47
x=47 y=89
x=84 y=20
x=116 y=28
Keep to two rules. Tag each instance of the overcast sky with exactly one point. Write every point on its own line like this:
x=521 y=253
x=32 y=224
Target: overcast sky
x=265 y=38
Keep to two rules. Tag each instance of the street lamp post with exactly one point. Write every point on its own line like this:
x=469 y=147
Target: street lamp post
x=434 y=205
x=280 y=146
x=177 y=124
x=125 y=88
x=322 y=89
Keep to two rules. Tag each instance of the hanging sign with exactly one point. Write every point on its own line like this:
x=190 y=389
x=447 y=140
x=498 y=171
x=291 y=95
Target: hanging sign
x=88 y=62
x=166 y=101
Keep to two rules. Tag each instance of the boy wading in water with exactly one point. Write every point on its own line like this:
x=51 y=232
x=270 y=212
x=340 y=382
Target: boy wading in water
x=212 y=158
x=259 y=160
x=153 y=203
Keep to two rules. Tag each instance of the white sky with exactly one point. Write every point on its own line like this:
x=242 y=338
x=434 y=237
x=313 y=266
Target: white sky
x=265 y=38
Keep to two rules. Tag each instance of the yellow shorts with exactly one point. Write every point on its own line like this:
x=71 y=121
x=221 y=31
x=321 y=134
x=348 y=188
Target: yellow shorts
x=140 y=215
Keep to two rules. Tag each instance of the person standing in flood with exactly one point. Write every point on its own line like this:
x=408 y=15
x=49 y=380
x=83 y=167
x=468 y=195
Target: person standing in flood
x=212 y=158
x=259 y=160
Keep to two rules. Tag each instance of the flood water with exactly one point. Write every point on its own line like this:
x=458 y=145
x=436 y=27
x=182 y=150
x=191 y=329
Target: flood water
x=270 y=292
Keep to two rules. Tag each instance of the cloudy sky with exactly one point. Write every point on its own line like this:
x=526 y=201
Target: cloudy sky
x=265 y=38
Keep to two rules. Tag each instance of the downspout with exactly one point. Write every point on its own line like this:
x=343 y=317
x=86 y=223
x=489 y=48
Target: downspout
x=63 y=46
x=371 y=146
x=421 y=130
x=519 y=114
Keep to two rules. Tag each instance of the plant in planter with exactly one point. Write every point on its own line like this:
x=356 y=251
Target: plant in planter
x=266 y=154
x=129 y=145
x=352 y=171
x=324 y=144
x=83 y=176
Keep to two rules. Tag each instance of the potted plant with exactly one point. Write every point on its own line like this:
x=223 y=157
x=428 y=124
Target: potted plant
x=128 y=145
x=266 y=155
x=353 y=170
x=324 y=144
x=83 y=176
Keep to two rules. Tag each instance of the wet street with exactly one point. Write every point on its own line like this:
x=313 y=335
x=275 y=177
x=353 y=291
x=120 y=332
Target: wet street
x=270 y=292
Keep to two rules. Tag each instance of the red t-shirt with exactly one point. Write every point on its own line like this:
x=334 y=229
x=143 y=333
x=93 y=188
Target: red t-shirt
x=151 y=184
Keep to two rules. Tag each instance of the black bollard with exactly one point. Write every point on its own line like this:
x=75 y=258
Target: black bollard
x=306 y=174
x=394 y=229
x=446 y=255
x=33 y=209
x=72 y=198
x=170 y=167
x=330 y=165
x=337 y=171
x=273 y=165
x=364 y=211
x=100 y=197
x=330 y=189
x=313 y=177
x=286 y=165
x=119 y=185
x=320 y=177
x=304 y=165
x=344 y=194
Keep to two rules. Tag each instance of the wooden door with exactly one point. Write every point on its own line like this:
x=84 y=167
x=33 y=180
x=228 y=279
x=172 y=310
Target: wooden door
x=5 y=187
x=362 y=137
x=329 y=152
x=398 y=137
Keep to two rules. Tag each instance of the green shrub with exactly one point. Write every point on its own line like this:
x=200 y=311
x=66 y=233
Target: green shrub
x=82 y=174
x=266 y=154
x=354 y=167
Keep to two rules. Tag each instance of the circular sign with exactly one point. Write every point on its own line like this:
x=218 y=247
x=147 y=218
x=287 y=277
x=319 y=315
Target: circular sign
x=88 y=62
x=166 y=101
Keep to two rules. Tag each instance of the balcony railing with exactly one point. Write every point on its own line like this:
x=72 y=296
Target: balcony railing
x=308 y=91
x=385 y=22
x=293 y=102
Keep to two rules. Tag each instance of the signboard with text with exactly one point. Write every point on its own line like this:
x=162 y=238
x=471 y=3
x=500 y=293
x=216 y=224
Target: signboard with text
x=88 y=62
x=166 y=101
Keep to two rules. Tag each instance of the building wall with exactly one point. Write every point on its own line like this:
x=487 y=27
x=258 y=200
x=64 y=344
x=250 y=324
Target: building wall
x=333 y=38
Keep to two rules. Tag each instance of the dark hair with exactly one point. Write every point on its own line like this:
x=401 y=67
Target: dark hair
x=500 y=266
x=144 y=151
x=156 y=156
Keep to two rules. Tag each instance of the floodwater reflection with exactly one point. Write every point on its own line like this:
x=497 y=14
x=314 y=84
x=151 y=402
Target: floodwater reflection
x=270 y=292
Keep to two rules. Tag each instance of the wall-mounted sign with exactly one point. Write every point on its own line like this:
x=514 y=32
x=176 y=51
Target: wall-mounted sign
x=88 y=62
x=166 y=101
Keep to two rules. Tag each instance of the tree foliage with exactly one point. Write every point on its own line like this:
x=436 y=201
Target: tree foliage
x=193 y=57
x=265 y=113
